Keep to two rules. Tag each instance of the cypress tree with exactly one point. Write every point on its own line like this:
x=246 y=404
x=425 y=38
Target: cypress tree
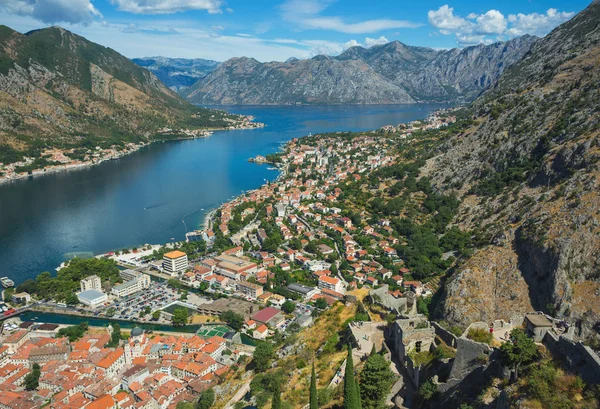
x=276 y=402
x=351 y=393
x=314 y=403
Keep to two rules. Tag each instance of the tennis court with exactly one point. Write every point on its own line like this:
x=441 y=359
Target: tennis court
x=207 y=331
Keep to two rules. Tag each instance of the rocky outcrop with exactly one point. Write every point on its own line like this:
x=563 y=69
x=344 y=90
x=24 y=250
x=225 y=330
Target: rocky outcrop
x=390 y=73
x=528 y=171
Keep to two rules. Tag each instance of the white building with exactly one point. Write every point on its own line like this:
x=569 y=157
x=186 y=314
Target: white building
x=138 y=283
x=331 y=283
x=91 y=283
x=92 y=298
x=175 y=262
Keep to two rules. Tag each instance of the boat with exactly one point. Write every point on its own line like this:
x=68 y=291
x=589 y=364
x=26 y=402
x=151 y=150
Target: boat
x=7 y=282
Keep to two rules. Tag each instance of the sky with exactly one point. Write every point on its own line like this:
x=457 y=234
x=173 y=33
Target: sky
x=275 y=30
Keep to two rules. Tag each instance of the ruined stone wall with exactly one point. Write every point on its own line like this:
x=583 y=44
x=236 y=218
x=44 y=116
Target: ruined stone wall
x=579 y=358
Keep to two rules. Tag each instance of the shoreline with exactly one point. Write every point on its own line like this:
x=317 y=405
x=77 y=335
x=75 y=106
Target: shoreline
x=66 y=167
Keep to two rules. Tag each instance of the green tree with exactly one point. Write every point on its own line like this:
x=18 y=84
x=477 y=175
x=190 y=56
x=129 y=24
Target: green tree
x=263 y=354
x=207 y=399
x=71 y=299
x=233 y=319
x=180 y=317
x=276 y=402
x=156 y=314
x=288 y=307
x=314 y=398
x=184 y=405
x=321 y=303
x=8 y=293
x=376 y=379
x=351 y=393
x=73 y=332
x=32 y=378
x=427 y=390
x=115 y=337
x=519 y=350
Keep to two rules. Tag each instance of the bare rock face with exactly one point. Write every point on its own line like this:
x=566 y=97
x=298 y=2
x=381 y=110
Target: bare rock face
x=528 y=171
x=389 y=73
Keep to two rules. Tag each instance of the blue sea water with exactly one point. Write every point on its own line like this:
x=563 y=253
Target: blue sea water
x=161 y=191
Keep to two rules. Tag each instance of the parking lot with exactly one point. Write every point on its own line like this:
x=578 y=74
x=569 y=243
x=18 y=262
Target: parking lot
x=156 y=297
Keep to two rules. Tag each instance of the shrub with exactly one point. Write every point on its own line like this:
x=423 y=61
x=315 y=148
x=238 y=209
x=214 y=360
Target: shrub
x=480 y=335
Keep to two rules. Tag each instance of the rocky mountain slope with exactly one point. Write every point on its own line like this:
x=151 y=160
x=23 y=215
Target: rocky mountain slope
x=58 y=89
x=177 y=73
x=528 y=173
x=390 y=73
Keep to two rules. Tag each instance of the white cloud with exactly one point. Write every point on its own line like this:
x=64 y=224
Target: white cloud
x=537 y=24
x=306 y=15
x=351 y=43
x=168 y=6
x=188 y=41
x=370 y=42
x=52 y=11
x=492 y=22
x=493 y=25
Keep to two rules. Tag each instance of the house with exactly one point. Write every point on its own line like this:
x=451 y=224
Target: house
x=372 y=281
x=537 y=325
x=261 y=332
x=415 y=286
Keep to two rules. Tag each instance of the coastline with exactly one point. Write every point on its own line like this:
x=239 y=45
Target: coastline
x=47 y=170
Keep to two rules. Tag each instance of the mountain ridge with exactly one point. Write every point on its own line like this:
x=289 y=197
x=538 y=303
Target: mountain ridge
x=397 y=73
x=177 y=73
x=58 y=89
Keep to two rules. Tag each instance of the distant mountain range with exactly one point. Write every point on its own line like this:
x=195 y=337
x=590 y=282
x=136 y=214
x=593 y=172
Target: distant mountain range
x=58 y=89
x=177 y=73
x=384 y=74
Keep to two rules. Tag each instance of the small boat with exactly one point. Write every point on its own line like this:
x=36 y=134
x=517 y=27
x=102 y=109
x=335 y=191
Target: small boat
x=7 y=282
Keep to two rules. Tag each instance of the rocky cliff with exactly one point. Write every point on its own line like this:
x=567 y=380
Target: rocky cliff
x=390 y=73
x=58 y=89
x=529 y=177
x=177 y=73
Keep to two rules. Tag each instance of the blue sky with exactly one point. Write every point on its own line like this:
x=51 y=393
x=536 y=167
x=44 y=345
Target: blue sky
x=278 y=29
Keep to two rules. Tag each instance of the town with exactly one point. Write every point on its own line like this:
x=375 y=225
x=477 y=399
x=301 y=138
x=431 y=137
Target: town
x=284 y=265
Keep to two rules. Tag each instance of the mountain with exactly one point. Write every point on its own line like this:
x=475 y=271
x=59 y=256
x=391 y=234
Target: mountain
x=58 y=89
x=527 y=171
x=177 y=73
x=389 y=73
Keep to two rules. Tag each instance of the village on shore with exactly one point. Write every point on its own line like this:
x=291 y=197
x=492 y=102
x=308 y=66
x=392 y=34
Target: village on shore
x=267 y=264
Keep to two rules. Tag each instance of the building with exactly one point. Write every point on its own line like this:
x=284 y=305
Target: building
x=216 y=308
x=232 y=266
x=331 y=283
x=269 y=316
x=412 y=334
x=113 y=363
x=92 y=298
x=49 y=353
x=249 y=289
x=138 y=283
x=91 y=283
x=175 y=262
x=22 y=298
x=303 y=290
x=537 y=325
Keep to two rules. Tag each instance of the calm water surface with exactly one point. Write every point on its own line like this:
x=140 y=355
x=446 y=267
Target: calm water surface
x=160 y=192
